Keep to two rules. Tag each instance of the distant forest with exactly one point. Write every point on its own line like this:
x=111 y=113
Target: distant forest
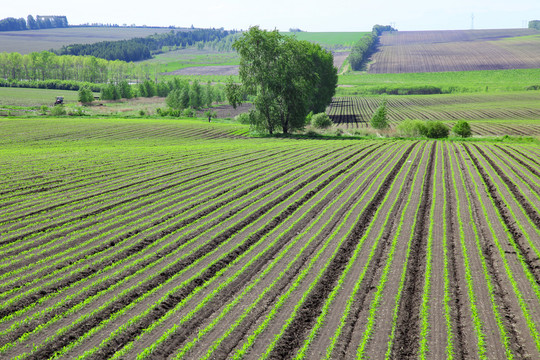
x=138 y=49
x=31 y=23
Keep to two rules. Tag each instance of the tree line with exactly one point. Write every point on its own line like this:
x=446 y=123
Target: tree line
x=45 y=65
x=138 y=49
x=362 y=50
x=31 y=23
x=534 y=24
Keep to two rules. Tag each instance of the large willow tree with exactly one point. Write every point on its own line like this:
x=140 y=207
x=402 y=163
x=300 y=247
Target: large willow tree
x=288 y=78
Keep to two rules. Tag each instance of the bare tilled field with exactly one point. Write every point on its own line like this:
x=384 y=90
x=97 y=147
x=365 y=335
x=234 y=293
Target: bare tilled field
x=511 y=114
x=456 y=50
x=127 y=239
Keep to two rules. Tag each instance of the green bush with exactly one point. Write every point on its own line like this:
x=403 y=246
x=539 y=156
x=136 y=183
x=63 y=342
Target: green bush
x=243 y=118
x=86 y=96
x=412 y=128
x=58 y=110
x=379 y=120
x=462 y=128
x=321 y=121
x=436 y=130
x=189 y=112
x=309 y=117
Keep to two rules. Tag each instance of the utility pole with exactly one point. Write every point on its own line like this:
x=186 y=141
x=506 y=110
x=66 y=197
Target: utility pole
x=472 y=21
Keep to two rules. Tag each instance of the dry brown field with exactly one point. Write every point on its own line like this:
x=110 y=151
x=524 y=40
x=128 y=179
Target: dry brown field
x=25 y=42
x=456 y=50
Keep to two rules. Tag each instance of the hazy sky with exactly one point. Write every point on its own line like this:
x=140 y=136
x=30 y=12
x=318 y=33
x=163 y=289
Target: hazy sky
x=309 y=15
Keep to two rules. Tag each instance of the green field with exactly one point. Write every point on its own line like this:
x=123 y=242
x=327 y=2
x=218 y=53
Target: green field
x=173 y=238
x=330 y=39
x=179 y=59
x=449 y=82
x=34 y=97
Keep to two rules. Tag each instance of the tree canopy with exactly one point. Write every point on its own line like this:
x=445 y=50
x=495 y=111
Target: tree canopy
x=286 y=76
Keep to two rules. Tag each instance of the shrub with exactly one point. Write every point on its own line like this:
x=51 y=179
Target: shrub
x=412 y=128
x=44 y=109
x=309 y=117
x=321 y=121
x=462 y=128
x=189 y=112
x=58 y=110
x=243 y=118
x=379 y=120
x=86 y=95
x=436 y=130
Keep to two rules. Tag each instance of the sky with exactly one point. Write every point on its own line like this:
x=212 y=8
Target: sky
x=308 y=15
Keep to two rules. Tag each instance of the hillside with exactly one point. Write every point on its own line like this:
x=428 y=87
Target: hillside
x=25 y=42
x=456 y=50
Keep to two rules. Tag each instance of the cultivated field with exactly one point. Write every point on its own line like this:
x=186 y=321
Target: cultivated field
x=134 y=239
x=456 y=50
x=516 y=113
x=25 y=42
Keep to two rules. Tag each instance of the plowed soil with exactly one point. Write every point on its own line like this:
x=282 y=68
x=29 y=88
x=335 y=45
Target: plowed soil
x=167 y=239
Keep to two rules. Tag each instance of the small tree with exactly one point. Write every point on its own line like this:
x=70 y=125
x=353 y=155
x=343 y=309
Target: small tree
x=379 y=120
x=174 y=100
x=462 y=128
x=86 y=96
x=321 y=121
x=436 y=130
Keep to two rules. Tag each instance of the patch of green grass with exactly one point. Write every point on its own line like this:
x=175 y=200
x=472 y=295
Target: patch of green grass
x=34 y=97
x=449 y=82
x=345 y=39
x=179 y=59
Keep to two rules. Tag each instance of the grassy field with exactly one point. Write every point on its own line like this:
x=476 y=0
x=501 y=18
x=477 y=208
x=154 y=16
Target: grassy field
x=23 y=97
x=28 y=41
x=179 y=59
x=330 y=39
x=155 y=238
x=451 y=81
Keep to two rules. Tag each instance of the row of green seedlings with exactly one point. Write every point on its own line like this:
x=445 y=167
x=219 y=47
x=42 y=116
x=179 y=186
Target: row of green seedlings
x=188 y=346
x=532 y=202
x=38 y=217
x=137 y=219
x=526 y=234
x=507 y=270
x=254 y=197
x=372 y=191
x=303 y=214
x=105 y=190
x=165 y=183
x=338 y=288
x=359 y=183
x=328 y=304
x=381 y=287
x=80 y=175
x=524 y=175
x=78 y=265
x=133 y=203
x=228 y=240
